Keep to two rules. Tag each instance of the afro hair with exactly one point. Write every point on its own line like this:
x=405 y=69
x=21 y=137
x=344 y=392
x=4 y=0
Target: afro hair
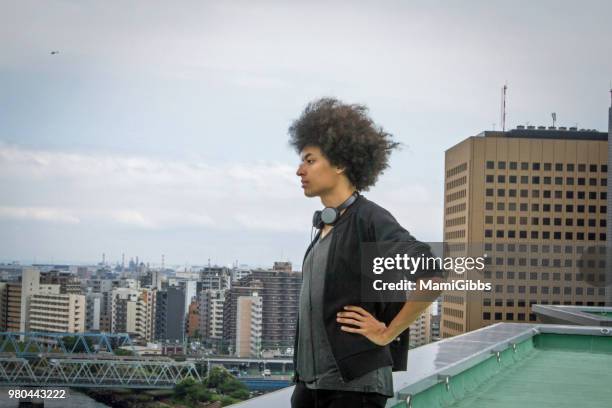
x=347 y=137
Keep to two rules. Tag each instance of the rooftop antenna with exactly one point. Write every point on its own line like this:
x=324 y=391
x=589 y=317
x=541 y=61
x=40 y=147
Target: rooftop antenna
x=122 y=262
x=103 y=258
x=503 y=107
x=554 y=118
x=162 y=266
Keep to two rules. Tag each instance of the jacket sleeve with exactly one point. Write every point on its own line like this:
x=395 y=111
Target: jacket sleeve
x=393 y=239
x=382 y=228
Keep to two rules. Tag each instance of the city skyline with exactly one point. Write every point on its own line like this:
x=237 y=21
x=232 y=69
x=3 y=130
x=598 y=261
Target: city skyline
x=156 y=131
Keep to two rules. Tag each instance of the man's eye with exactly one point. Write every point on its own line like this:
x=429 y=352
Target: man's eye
x=309 y=161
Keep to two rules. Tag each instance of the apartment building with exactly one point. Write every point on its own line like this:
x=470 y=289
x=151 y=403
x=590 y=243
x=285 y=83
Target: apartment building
x=56 y=313
x=249 y=326
x=133 y=312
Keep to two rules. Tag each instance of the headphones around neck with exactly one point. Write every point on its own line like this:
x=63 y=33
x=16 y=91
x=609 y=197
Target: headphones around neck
x=330 y=215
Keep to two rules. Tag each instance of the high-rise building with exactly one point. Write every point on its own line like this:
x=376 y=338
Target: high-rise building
x=18 y=295
x=93 y=314
x=56 y=312
x=13 y=306
x=279 y=290
x=3 y=304
x=211 y=314
x=152 y=278
x=215 y=278
x=420 y=329
x=133 y=312
x=69 y=283
x=239 y=271
x=249 y=325
x=193 y=320
x=609 y=218
x=170 y=315
x=535 y=199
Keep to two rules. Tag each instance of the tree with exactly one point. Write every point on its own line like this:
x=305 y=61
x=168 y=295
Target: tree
x=217 y=376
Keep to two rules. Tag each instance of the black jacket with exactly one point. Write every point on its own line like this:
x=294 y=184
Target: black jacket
x=355 y=355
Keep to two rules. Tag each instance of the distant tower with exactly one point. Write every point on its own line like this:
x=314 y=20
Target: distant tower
x=162 y=267
x=503 y=107
x=122 y=262
x=103 y=258
x=609 y=213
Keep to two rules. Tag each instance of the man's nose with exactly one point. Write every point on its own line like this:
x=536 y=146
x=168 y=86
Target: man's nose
x=300 y=170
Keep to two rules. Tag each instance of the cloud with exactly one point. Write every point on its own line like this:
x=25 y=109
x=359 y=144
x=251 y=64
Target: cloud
x=42 y=214
x=147 y=193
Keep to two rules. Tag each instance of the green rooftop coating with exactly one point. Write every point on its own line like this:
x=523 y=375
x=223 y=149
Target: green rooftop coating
x=547 y=370
x=605 y=315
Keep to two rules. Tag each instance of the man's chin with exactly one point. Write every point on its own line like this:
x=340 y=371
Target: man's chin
x=309 y=193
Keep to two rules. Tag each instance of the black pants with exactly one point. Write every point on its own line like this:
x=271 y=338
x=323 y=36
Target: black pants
x=304 y=397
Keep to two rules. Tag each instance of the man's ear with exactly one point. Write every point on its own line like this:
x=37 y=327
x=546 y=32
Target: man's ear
x=340 y=170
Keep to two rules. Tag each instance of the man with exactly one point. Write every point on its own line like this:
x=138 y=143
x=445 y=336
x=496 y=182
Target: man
x=346 y=347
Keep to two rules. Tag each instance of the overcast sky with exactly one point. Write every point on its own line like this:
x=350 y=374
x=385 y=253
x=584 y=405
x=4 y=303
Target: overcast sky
x=161 y=128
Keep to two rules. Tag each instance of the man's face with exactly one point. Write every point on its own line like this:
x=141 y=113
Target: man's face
x=317 y=174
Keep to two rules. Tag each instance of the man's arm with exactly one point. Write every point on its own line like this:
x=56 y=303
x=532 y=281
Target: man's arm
x=411 y=310
x=376 y=331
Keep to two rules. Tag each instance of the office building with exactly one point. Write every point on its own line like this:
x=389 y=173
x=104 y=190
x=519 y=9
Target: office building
x=536 y=200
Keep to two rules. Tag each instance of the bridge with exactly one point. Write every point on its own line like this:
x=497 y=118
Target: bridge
x=84 y=360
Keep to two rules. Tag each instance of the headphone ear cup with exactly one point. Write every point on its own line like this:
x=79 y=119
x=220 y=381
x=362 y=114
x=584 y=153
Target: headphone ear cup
x=316 y=220
x=329 y=215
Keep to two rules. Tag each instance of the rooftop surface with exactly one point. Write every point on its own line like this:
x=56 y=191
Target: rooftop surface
x=556 y=133
x=580 y=315
x=503 y=365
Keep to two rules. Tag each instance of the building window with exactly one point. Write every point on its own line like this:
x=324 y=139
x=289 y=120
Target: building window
x=490 y=165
